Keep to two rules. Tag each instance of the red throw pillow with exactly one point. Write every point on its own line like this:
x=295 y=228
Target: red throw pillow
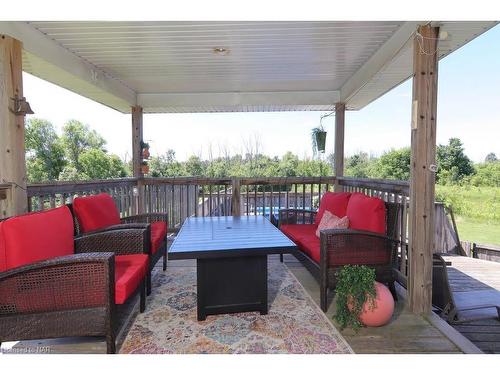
x=95 y=212
x=331 y=221
x=36 y=236
x=366 y=213
x=336 y=203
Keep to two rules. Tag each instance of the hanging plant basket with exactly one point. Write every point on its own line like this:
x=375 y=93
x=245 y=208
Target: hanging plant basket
x=320 y=141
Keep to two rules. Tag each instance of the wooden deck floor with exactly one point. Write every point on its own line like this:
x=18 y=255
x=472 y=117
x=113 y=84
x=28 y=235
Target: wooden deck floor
x=468 y=274
x=406 y=333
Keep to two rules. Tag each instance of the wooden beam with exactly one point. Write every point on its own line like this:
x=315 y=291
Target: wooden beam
x=12 y=154
x=137 y=135
x=137 y=138
x=227 y=99
x=422 y=167
x=339 y=142
x=380 y=59
x=52 y=62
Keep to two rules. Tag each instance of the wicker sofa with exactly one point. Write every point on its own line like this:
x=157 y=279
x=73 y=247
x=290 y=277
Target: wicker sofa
x=370 y=239
x=55 y=285
x=99 y=212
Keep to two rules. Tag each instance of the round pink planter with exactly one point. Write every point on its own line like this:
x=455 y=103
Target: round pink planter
x=384 y=307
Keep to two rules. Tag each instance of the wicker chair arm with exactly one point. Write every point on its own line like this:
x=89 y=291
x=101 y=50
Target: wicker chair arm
x=119 y=241
x=133 y=225
x=360 y=247
x=296 y=216
x=63 y=283
x=145 y=218
x=354 y=232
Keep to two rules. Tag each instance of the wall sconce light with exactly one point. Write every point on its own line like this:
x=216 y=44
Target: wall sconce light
x=21 y=106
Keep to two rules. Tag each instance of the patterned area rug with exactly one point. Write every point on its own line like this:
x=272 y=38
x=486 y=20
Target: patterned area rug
x=294 y=324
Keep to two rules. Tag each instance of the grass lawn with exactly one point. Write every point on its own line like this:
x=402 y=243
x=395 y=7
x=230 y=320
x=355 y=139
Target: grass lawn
x=477 y=211
x=478 y=231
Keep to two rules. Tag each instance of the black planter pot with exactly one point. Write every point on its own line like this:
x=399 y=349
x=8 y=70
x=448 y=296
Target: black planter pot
x=320 y=141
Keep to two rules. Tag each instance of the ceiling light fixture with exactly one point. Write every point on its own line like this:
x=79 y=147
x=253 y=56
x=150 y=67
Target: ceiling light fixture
x=221 y=51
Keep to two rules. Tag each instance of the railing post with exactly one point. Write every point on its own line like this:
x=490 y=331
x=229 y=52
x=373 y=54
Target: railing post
x=235 y=198
x=474 y=251
x=339 y=143
x=140 y=196
x=137 y=134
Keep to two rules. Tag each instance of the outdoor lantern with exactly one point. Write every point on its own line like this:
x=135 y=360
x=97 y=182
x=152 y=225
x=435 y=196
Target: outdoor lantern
x=21 y=106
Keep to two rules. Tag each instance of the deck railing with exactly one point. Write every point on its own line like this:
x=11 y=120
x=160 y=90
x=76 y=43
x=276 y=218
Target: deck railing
x=183 y=197
x=54 y=194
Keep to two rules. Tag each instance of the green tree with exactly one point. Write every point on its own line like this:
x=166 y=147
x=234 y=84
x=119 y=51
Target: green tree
x=166 y=165
x=194 y=166
x=313 y=168
x=359 y=165
x=218 y=168
x=44 y=151
x=453 y=164
x=288 y=165
x=96 y=165
x=487 y=174
x=78 y=138
x=491 y=157
x=394 y=164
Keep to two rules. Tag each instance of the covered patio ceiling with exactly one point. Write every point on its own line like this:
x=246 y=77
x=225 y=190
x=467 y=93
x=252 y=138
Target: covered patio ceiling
x=168 y=67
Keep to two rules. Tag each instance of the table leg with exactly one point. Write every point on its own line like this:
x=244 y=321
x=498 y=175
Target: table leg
x=229 y=285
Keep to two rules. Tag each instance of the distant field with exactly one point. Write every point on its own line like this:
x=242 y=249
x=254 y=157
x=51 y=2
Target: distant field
x=474 y=230
x=477 y=211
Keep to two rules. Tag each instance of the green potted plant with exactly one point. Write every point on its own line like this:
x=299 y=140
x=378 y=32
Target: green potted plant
x=360 y=300
x=144 y=167
x=318 y=136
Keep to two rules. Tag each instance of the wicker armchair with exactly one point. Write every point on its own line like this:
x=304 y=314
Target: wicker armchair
x=156 y=221
x=339 y=247
x=71 y=295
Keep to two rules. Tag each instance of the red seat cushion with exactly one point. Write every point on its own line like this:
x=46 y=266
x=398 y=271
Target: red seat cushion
x=295 y=231
x=129 y=272
x=310 y=244
x=95 y=212
x=366 y=213
x=36 y=236
x=158 y=233
x=336 y=203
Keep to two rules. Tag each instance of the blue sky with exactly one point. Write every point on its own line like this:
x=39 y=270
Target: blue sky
x=468 y=108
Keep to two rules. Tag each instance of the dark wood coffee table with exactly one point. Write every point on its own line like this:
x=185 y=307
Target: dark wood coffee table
x=231 y=257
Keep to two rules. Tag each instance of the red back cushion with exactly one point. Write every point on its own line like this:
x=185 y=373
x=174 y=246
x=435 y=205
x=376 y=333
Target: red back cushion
x=366 y=213
x=95 y=212
x=336 y=203
x=34 y=237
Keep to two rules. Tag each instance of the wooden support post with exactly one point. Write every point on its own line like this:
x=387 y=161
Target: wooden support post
x=422 y=166
x=235 y=198
x=12 y=151
x=339 y=142
x=137 y=138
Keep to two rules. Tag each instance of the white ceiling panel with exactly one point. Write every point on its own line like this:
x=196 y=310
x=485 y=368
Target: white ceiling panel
x=286 y=65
